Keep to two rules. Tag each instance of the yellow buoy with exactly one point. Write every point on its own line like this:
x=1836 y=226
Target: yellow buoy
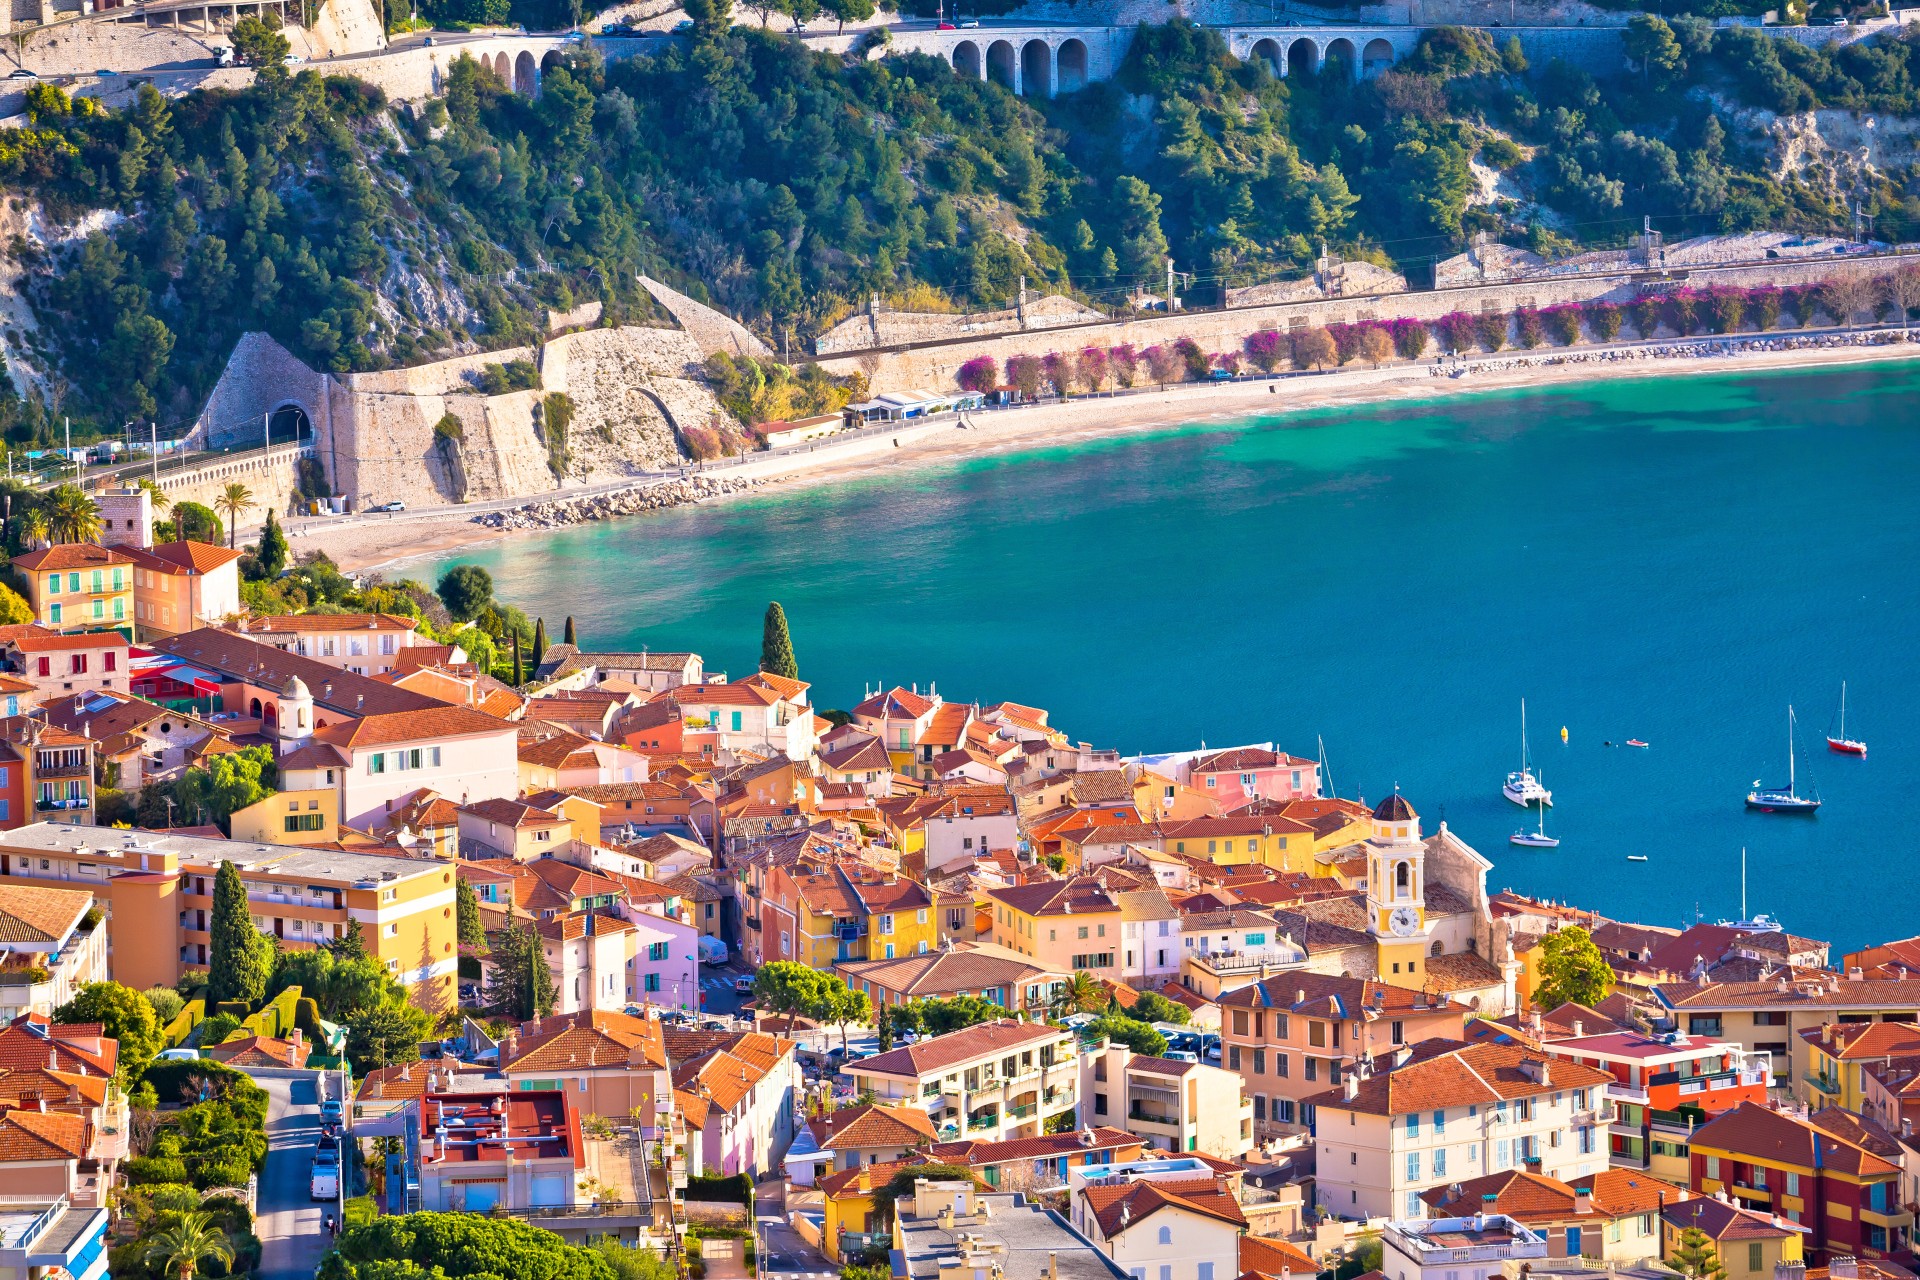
x=1563 y=733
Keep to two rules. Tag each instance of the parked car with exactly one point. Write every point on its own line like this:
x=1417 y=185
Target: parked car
x=389 y=506
x=946 y=26
x=1180 y=1055
x=179 y=1055
x=429 y=42
x=685 y=24
x=324 y=1181
x=23 y=74
x=743 y=985
x=970 y=24
x=103 y=73
x=330 y=1110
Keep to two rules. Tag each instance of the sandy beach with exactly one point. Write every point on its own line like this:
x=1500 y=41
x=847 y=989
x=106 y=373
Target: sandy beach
x=387 y=543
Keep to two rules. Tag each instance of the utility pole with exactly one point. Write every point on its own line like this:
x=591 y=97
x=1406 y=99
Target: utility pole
x=69 y=421
x=154 y=428
x=266 y=430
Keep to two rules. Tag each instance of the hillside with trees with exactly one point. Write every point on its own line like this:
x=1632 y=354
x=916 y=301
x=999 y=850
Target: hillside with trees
x=786 y=185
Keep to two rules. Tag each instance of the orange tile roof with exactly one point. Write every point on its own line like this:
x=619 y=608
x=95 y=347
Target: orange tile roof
x=72 y=555
x=386 y=729
x=35 y=1135
x=1117 y=1207
x=179 y=558
x=1445 y=1073
x=978 y=1041
x=33 y=914
x=589 y=1039
x=1753 y=1132
x=1274 y=1257
x=871 y=1125
x=292 y=623
x=71 y=640
x=978 y=1154
x=60 y=1089
x=30 y=1040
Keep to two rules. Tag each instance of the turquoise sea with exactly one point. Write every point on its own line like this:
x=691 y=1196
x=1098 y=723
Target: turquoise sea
x=1673 y=559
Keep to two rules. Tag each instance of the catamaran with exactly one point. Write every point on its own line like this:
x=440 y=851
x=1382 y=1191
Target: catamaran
x=1842 y=743
x=1535 y=839
x=1777 y=800
x=1523 y=788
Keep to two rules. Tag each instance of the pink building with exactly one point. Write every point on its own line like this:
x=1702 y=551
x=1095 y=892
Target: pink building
x=1240 y=776
x=56 y=664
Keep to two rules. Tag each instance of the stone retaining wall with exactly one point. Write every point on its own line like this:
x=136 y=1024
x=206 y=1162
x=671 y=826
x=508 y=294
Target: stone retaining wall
x=1225 y=330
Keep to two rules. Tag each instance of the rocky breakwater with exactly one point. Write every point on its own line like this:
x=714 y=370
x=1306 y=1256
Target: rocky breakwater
x=556 y=513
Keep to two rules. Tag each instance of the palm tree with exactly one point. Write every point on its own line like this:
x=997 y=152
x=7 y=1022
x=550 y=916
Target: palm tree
x=1082 y=994
x=233 y=500
x=158 y=495
x=71 y=515
x=33 y=529
x=181 y=1247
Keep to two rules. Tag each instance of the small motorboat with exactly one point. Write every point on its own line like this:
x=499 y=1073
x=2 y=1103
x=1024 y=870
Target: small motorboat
x=1840 y=742
x=1635 y=742
x=1636 y=857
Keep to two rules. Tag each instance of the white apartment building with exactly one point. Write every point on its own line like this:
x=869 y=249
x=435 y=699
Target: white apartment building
x=1473 y=1248
x=991 y=1081
x=1442 y=1112
x=1160 y=1219
x=1171 y=1106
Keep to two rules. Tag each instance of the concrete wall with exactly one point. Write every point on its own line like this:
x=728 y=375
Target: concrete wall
x=934 y=367
x=274 y=478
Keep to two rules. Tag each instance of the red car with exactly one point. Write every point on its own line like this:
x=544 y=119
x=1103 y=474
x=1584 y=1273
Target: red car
x=947 y=26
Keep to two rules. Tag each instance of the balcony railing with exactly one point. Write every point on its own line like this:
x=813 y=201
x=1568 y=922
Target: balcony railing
x=1629 y=1093
x=1022 y=1111
x=987 y=1121
x=64 y=802
x=1153 y=1117
x=605 y=1209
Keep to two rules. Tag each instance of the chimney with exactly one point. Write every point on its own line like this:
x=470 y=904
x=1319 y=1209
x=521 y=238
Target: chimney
x=1350 y=1086
x=1579 y=1028
x=1053 y=1265
x=1843 y=1267
x=1583 y=1200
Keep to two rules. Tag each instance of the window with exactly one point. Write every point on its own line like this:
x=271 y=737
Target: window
x=1440 y=1163
x=657 y=951
x=1399 y=1033
x=109 y=661
x=303 y=822
x=1439 y=1122
x=1413 y=1204
x=1753 y=1255
x=1259 y=1062
x=1083 y=933
x=1233 y=1057
x=1703 y=1024
x=653 y=982
x=1317 y=1034
x=1713 y=1167
x=1280 y=1065
x=1206 y=1271
x=377 y=762
x=1501 y=1155
x=1793 y=1184
x=1770 y=1018
x=1312 y=1068
x=1166 y=1235
x=1413 y=1126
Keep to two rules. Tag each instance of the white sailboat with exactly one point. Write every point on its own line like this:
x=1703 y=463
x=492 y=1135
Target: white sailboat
x=1535 y=839
x=1783 y=799
x=1523 y=787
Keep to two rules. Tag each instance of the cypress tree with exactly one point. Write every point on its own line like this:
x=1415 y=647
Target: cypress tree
x=542 y=993
x=272 y=552
x=242 y=960
x=539 y=641
x=519 y=677
x=776 y=646
x=571 y=637
x=466 y=907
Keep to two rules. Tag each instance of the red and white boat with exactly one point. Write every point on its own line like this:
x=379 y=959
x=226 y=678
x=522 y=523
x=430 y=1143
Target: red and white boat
x=1841 y=742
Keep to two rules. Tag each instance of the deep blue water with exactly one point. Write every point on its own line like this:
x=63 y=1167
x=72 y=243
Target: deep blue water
x=1673 y=559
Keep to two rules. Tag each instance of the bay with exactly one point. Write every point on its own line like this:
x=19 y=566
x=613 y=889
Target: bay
x=1674 y=559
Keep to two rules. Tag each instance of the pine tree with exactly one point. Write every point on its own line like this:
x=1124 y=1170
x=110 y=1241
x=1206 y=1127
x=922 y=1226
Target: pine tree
x=242 y=960
x=776 y=646
x=1693 y=1255
x=571 y=637
x=272 y=552
x=539 y=641
x=506 y=970
x=352 y=945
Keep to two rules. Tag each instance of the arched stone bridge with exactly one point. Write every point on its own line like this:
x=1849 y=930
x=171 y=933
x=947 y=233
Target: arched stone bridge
x=1040 y=61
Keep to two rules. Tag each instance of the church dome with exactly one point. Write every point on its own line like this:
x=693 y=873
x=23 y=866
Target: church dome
x=1394 y=809
x=295 y=687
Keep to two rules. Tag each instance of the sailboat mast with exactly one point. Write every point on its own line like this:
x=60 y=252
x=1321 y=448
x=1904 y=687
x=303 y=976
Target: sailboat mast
x=1790 y=782
x=1523 y=735
x=1843 y=711
x=1743 y=882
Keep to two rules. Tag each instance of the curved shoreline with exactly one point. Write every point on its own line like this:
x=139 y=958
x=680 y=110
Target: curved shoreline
x=369 y=545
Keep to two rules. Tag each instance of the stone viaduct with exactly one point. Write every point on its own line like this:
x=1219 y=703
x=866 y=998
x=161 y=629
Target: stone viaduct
x=1040 y=61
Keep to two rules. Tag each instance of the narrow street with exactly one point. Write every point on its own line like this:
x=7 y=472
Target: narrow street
x=786 y=1253
x=290 y=1223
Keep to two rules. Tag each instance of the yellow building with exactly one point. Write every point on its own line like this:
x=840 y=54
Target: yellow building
x=848 y=1196
x=1837 y=1051
x=292 y=818
x=1070 y=925
x=1396 y=893
x=76 y=585
x=1749 y=1243
x=157 y=888
x=1233 y=841
x=843 y=912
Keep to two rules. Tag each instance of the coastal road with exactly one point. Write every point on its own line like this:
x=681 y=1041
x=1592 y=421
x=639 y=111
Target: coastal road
x=290 y=1223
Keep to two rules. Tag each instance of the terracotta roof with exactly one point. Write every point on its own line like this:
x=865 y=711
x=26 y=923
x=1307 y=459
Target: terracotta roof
x=260 y=1051
x=72 y=555
x=32 y=914
x=512 y=813
x=1078 y=895
x=71 y=640
x=294 y=623
x=969 y=967
x=895 y=703
x=1830 y=991
x=393 y=1084
x=1336 y=996
x=1851 y=1041
x=589 y=1039
x=978 y=1153
x=871 y=1125
x=423 y=725
x=1275 y=1257
x=1720 y=1220
x=30 y=1040
x=181 y=557
x=977 y=1041
x=59 y=1089
x=1752 y=1132
x=1117 y=1207
x=35 y=1135
x=234 y=657
x=1444 y=1073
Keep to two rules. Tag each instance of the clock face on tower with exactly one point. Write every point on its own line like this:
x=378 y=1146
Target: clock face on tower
x=1404 y=921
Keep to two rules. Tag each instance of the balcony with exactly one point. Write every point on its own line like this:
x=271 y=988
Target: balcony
x=1823 y=1084
x=1022 y=1111
x=1154 y=1117
x=985 y=1120
x=64 y=802
x=1747 y=1191
x=1601 y=1115
x=1629 y=1093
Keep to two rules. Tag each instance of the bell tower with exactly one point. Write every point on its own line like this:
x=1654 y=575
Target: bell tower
x=1396 y=893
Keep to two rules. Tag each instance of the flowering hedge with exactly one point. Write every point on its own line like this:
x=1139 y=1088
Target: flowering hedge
x=979 y=374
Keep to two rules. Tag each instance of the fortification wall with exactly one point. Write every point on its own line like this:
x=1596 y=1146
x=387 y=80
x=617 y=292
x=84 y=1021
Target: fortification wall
x=274 y=478
x=710 y=330
x=375 y=436
x=934 y=367
x=898 y=328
